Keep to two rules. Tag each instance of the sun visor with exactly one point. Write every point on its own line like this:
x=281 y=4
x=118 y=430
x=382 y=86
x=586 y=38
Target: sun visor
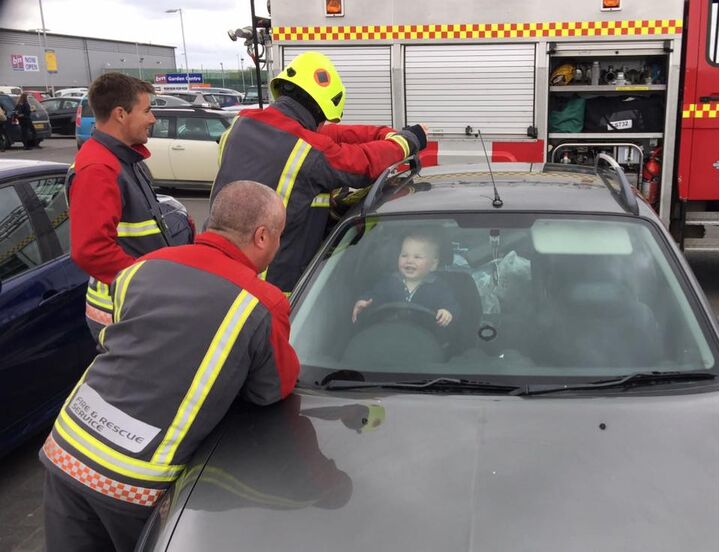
x=580 y=237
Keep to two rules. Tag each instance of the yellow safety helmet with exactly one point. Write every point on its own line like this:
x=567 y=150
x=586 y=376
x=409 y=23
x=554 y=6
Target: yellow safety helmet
x=562 y=75
x=316 y=75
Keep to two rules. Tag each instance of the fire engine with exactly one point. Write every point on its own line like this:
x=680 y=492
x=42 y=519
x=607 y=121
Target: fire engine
x=543 y=81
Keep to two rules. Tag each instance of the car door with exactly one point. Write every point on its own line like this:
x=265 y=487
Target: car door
x=44 y=341
x=159 y=142
x=194 y=152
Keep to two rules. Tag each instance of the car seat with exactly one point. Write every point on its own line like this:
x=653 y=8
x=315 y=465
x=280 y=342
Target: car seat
x=591 y=318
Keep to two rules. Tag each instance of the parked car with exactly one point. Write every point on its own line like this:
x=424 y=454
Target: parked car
x=84 y=122
x=62 y=113
x=71 y=92
x=40 y=119
x=10 y=90
x=163 y=100
x=571 y=404
x=44 y=339
x=196 y=98
x=184 y=146
x=39 y=95
x=251 y=97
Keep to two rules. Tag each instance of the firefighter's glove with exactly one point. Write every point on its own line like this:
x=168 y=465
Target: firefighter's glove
x=419 y=133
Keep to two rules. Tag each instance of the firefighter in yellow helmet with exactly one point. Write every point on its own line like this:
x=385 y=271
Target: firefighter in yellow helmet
x=290 y=147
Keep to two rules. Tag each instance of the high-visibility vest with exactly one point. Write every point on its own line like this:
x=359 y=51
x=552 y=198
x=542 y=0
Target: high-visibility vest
x=193 y=328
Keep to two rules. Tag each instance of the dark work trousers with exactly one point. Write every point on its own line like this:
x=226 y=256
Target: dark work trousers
x=79 y=522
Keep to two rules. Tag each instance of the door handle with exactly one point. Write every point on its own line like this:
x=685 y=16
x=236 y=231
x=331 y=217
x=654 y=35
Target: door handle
x=49 y=295
x=708 y=99
x=177 y=148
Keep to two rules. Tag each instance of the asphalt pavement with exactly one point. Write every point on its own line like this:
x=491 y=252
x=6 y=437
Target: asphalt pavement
x=21 y=475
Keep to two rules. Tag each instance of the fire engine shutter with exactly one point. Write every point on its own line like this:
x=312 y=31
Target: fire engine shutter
x=365 y=71
x=485 y=86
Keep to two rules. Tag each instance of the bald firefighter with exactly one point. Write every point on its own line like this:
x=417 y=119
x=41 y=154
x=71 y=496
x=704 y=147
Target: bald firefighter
x=193 y=329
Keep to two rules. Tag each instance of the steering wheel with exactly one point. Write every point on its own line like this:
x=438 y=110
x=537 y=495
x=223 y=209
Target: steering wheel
x=400 y=310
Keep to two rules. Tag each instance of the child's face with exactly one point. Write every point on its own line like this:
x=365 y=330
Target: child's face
x=417 y=259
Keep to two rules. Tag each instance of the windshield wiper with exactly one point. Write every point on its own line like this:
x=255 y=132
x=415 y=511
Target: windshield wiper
x=631 y=380
x=436 y=384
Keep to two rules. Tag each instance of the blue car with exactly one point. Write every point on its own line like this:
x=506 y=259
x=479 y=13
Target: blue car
x=44 y=342
x=84 y=122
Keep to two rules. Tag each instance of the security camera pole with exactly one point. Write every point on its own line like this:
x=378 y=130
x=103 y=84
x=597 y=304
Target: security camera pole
x=257 y=54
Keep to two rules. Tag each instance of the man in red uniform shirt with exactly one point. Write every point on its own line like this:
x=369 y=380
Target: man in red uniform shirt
x=115 y=216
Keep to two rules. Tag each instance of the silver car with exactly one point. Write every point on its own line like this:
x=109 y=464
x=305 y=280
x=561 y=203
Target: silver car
x=571 y=403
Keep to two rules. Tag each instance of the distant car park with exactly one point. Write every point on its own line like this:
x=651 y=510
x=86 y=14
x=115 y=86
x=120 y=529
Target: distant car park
x=40 y=119
x=62 y=112
x=44 y=340
x=72 y=92
x=163 y=100
x=184 y=146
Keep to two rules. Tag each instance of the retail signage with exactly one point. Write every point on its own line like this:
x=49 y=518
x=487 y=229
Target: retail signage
x=181 y=78
x=51 y=61
x=20 y=62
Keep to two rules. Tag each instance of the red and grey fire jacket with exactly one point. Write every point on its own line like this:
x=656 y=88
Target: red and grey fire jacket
x=194 y=328
x=114 y=217
x=281 y=148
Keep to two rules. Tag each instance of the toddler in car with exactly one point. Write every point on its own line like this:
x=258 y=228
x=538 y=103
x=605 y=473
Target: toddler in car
x=414 y=282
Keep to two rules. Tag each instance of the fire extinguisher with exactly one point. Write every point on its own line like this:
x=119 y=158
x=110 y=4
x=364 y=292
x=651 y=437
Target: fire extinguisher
x=650 y=188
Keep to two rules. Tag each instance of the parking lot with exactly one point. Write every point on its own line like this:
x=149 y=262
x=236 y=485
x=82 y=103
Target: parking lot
x=21 y=473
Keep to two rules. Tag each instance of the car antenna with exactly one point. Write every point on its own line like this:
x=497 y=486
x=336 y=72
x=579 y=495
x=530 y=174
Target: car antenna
x=497 y=202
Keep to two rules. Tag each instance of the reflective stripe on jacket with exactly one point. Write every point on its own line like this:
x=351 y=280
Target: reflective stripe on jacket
x=194 y=327
x=281 y=148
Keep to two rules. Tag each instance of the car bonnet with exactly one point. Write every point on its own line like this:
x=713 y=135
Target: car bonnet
x=456 y=473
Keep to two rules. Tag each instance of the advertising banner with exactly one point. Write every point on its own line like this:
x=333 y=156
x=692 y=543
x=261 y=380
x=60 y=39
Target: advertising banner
x=51 y=61
x=16 y=60
x=179 y=78
x=31 y=63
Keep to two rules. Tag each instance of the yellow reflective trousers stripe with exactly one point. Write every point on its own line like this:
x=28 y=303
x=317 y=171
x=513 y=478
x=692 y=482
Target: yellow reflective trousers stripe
x=291 y=170
x=205 y=376
x=137 y=229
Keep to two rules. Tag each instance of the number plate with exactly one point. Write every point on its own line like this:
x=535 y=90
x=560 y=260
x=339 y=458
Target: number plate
x=39 y=125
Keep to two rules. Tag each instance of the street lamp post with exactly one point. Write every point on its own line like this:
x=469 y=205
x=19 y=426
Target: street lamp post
x=140 y=60
x=222 y=72
x=182 y=28
x=242 y=71
x=47 y=73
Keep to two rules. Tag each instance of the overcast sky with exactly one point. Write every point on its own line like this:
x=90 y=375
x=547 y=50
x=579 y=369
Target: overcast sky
x=206 y=24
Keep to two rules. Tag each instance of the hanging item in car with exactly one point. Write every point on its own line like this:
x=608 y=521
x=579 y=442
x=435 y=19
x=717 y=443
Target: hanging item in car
x=624 y=114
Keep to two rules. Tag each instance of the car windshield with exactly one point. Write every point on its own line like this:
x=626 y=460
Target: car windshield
x=532 y=297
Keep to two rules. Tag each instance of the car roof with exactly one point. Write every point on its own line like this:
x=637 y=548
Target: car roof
x=469 y=187
x=189 y=111
x=10 y=168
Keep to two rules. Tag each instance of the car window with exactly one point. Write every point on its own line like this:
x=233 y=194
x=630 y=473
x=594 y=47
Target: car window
x=161 y=128
x=7 y=103
x=192 y=128
x=51 y=193
x=86 y=110
x=69 y=104
x=531 y=296
x=216 y=127
x=51 y=105
x=226 y=100
x=19 y=249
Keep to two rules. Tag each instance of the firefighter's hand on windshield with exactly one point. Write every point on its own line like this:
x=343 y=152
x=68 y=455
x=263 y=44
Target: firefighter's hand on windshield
x=360 y=306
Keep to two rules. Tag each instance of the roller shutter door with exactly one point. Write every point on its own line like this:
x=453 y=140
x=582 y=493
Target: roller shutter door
x=365 y=71
x=485 y=86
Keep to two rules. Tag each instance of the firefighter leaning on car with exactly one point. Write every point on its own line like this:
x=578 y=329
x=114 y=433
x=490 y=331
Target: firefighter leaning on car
x=289 y=147
x=193 y=328
x=114 y=214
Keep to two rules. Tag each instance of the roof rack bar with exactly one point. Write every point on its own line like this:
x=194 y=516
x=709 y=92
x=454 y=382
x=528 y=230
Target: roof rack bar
x=376 y=189
x=625 y=196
